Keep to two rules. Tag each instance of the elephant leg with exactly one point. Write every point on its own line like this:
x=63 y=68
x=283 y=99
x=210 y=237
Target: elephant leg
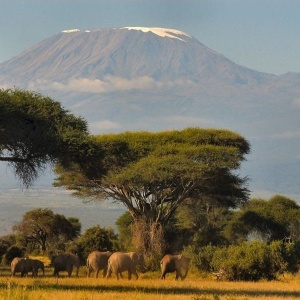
x=97 y=272
x=70 y=272
x=104 y=272
x=129 y=275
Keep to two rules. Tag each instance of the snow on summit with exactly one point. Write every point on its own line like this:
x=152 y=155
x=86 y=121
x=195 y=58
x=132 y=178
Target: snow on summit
x=163 y=32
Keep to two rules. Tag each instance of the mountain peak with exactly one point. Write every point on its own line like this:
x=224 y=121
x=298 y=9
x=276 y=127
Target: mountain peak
x=163 y=32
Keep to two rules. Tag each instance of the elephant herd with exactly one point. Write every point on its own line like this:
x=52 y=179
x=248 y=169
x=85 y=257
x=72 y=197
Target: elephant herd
x=111 y=263
x=118 y=262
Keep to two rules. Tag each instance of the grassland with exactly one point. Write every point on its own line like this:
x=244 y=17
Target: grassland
x=148 y=286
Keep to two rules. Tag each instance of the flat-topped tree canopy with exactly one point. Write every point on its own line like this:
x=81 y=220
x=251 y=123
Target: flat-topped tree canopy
x=151 y=173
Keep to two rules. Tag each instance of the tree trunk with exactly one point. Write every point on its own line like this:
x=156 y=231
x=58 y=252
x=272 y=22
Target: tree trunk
x=148 y=237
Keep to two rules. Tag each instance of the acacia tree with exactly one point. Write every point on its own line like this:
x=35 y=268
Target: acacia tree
x=35 y=130
x=153 y=173
x=265 y=220
x=42 y=226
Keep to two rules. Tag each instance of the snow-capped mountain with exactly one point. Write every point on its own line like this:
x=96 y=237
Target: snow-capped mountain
x=137 y=78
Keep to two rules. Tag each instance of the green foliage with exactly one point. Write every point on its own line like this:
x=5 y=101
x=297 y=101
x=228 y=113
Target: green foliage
x=97 y=238
x=252 y=261
x=35 y=130
x=4 y=245
x=12 y=252
x=124 y=224
x=201 y=257
x=275 y=219
x=152 y=174
x=203 y=219
x=43 y=229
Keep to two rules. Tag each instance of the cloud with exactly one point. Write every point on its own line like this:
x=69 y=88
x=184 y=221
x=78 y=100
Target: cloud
x=5 y=86
x=287 y=135
x=189 y=121
x=296 y=102
x=100 y=126
x=108 y=84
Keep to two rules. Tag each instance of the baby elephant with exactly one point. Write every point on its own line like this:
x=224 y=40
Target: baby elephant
x=174 y=263
x=97 y=261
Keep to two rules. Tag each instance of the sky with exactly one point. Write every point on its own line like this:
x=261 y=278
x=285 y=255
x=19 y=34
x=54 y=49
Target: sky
x=262 y=35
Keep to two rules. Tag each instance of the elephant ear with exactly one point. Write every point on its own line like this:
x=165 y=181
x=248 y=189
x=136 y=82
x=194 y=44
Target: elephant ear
x=133 y=256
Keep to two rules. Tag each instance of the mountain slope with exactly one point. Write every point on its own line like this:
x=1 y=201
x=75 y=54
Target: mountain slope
x=126 y=53
x=157 y=78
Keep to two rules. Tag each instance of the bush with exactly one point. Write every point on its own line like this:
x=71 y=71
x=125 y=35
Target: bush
x=253 y=261
x=97 y=238
x=12 y=252
x=201 y=258
x=4 y=245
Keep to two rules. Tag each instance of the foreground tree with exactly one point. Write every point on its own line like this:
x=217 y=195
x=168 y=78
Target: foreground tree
x=42 y=227
x=153 y=173
x=35 y=131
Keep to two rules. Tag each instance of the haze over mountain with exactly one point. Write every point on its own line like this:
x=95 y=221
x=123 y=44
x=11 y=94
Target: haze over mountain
x=153 y=79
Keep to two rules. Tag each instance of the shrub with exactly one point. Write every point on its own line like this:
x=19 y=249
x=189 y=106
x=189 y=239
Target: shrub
x=12 y=252
x=97 y=238
x=253 y=261
x=201 y=258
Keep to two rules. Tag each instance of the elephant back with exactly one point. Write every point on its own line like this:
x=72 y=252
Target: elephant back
x=98 y=258
x=63 y=260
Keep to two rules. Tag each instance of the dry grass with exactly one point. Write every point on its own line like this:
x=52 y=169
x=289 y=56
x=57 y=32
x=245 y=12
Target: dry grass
x=149 y=286
x=45 y=259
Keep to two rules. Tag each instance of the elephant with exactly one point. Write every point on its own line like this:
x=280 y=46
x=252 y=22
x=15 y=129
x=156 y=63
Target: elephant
x=120 y=262
x=66 y=262
x=97 y=261
x=174 y=263
x=36 y=265
x=21 y=265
